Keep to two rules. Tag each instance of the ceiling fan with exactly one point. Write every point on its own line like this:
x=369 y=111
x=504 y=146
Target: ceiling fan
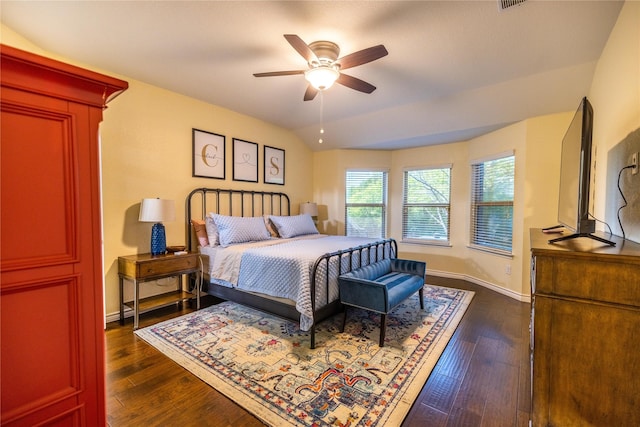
x=325 y=67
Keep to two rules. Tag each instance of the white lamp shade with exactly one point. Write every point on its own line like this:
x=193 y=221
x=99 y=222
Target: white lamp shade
x=157 y=210
x=309 y=208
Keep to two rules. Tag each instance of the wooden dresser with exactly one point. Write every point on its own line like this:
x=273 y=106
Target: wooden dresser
x=585 y=332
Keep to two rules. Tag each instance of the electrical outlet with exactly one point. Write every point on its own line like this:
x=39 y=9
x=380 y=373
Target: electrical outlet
x=507 y=269
x=634 y=162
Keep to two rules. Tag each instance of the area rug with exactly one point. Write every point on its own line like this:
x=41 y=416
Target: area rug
x=265 y=365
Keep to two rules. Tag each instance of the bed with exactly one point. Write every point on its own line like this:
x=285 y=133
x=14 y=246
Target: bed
x=291 y=273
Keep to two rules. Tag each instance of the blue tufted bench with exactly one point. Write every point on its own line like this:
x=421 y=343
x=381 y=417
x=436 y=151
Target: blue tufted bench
x=381 y=286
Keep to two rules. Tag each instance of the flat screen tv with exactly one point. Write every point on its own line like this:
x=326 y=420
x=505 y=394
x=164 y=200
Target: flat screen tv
x=575 y=177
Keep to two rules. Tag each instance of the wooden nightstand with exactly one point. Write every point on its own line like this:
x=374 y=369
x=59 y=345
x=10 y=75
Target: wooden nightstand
x=145 y=267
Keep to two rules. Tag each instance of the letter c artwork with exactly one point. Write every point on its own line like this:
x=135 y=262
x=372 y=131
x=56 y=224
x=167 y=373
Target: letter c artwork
x=210 y=159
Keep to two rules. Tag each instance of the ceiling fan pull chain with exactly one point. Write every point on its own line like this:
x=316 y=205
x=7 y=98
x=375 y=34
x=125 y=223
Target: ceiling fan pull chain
x=321 y=117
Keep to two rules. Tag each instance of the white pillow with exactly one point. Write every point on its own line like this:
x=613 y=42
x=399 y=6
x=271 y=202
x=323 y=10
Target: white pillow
x=212 y=230
x=292 y=226
x=238 y=229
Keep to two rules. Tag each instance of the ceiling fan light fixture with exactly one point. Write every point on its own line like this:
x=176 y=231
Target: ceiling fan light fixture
x=322 y=77
x=325 y=65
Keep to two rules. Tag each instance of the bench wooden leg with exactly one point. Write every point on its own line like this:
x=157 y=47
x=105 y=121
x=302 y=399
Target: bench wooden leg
x=344 y=318
x=383 y=328
x=421 y=295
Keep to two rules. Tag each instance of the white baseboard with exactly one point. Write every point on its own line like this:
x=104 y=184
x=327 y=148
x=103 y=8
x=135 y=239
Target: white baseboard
x=114 y=317
x=501 y=290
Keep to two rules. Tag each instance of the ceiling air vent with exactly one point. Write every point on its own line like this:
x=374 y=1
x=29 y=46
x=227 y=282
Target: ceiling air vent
x=505 y=4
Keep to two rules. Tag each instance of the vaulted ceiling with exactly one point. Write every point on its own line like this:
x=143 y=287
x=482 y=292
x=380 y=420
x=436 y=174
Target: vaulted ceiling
x=455 y=69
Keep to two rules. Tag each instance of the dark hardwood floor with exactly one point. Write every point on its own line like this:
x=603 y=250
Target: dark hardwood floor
x=481 y=379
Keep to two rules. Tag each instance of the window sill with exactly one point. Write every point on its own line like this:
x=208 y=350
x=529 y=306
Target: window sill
x=492 y=251
x=446 y=244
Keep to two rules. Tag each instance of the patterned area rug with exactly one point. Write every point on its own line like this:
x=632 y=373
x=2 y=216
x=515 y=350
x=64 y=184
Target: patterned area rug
x=264 y=363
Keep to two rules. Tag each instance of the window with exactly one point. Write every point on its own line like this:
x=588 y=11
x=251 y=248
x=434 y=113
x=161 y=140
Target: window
x=365 y=207
x=492 y=204
x=426 y=206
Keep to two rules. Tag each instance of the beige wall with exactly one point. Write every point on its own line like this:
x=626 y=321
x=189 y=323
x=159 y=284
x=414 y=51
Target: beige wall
x=146 y=152
x=540 y=192
x=329 y=171
x=615 y=95
x=536 y=144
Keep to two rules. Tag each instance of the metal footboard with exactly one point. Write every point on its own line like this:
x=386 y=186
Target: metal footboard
x=354 y=257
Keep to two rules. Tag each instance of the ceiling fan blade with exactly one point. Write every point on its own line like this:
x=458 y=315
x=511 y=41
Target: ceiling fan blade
x=301 y=47
x=355 y=83
x=362 y=57
x=310 y=93
x=279 y=73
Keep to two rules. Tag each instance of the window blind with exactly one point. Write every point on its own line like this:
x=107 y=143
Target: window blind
x=492 y=203
x=426 y=205
x=365 y=207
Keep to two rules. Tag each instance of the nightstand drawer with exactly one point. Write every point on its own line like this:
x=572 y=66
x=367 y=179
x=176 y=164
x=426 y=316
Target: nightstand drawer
x=144 y=267
x=166 y=265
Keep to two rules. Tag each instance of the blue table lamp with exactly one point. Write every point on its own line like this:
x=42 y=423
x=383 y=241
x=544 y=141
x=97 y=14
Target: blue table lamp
x=157 y=211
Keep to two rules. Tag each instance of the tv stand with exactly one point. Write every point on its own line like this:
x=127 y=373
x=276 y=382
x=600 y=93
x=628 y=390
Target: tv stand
x=589 y=235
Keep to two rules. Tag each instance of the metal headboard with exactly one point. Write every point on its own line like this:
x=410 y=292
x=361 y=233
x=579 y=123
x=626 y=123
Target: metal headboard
x=224 y=201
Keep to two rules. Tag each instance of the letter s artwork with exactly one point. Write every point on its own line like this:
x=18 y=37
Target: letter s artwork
x=273 y=165
x=274 y=169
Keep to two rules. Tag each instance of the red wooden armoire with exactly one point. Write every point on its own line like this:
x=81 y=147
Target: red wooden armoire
x=51 y=301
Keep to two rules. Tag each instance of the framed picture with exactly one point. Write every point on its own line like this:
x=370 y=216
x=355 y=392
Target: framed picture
x=245 y=160
x=273 y=165
x=208 y=154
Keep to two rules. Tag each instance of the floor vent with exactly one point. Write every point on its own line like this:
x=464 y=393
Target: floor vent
x=505 y=4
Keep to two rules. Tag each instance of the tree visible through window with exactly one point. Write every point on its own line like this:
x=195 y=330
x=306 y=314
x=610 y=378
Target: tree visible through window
x=426 y=206
x=365 y=207
x=492 y=204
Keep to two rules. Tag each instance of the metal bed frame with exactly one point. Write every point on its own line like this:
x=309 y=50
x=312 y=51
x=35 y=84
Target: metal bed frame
x=256 y=203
